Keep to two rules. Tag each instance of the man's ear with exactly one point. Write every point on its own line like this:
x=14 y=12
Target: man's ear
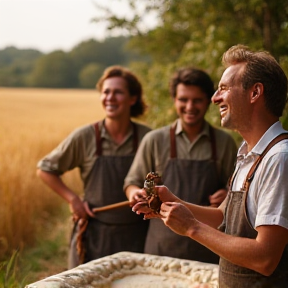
x=256 y=91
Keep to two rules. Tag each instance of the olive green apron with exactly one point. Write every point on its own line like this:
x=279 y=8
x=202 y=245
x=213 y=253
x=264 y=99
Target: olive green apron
x=192 y=181
x=236 y=223
x=115 y=230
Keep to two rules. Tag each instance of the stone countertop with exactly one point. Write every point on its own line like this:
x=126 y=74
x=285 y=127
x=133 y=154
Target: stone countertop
x=127 y=270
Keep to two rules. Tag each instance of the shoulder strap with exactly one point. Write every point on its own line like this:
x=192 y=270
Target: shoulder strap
x=213 y=143
x=98 y=140
x=135 y=137
x=173 y=152
x=254 y=167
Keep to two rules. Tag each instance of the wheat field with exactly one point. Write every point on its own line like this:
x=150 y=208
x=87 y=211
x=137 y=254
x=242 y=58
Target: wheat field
x=32 y=123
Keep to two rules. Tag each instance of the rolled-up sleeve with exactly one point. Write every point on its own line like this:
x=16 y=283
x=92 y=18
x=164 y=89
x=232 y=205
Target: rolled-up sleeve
x=72 y=152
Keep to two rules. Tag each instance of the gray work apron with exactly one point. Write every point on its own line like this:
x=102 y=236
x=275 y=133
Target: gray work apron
x=115 y=230
x=236 y=223
x=192 y=181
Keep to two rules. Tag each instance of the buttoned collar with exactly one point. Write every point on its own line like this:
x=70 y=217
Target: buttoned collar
x=274 y=130
x=106 y=135
x=204 y=132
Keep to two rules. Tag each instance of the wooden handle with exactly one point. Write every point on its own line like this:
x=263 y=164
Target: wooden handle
x=111 y=206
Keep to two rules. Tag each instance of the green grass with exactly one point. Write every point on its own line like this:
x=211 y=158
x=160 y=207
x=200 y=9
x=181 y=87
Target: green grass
x=7 y=272
x=47 y=257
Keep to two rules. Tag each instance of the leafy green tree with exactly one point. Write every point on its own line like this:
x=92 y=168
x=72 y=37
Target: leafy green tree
x=54 y=70
x=197 y=32
x=112 y=51
x=90 y=74
x=106 y=53
x=15 y=65
x=20 y=68
x=12 y=55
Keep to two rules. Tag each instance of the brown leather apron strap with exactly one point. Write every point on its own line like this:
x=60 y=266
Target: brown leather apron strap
x=173 y=152
x=213 y=143
x=254 y=167
x=135 y=137
x=98 y=139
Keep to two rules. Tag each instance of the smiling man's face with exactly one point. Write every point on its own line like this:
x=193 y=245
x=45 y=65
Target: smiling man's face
x=191 y=104
x=232 y=98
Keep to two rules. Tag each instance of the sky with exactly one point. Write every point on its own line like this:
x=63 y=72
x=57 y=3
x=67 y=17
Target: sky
x=49 y=25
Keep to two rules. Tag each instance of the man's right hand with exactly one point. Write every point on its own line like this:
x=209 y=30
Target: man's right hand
x=80 y=209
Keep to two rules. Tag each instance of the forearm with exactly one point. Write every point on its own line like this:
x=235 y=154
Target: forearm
x=57 y=185
x=255 y=254
x=77 y=207
x=207 y=215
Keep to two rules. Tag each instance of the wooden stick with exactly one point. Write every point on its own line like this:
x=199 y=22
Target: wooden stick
x=111 y=206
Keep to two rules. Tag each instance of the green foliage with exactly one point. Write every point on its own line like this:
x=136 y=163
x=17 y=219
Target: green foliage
x=48 y=257
x=12 y=55
x=155 y=79
x=54 y=70
x=22 y=68
x=8 y=273
x=46 y=252
x=90 y=74
x=201 y=25
x=112 y=51
x=196 y=33
x=15 y=65
x=106 y=53
x=284 y=118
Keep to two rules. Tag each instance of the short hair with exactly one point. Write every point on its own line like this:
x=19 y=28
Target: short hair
x=192 y=76
x=133 y=84
x=263 y=68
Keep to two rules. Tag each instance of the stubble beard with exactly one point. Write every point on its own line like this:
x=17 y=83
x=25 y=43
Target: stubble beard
x=229 y=123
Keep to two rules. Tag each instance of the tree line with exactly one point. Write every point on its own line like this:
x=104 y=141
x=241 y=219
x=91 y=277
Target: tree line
x=197 y=33
x=79 y=68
